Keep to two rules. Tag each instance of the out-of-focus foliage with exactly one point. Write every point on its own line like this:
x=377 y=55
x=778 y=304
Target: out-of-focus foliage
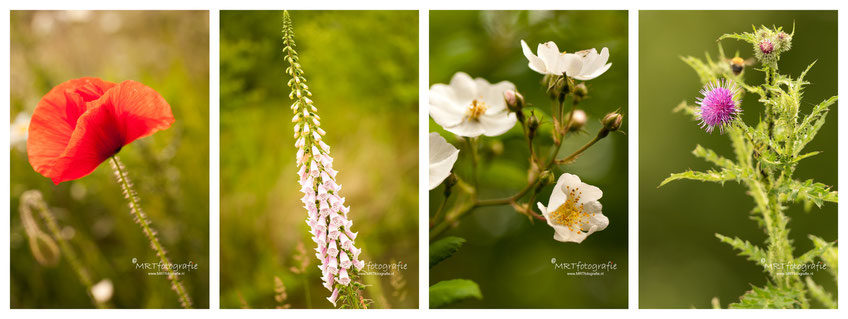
x=672 y=274
x=509 y=257
x=362 y=68
x=168 y=51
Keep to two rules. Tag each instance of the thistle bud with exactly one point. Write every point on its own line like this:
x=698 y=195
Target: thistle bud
x=766 y=47
x=578 y=120
x=784 y=41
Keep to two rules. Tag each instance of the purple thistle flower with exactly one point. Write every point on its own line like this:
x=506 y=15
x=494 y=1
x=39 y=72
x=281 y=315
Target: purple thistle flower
x=719 y=106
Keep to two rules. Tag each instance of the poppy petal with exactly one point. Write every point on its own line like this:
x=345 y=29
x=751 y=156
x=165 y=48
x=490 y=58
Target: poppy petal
x=126 y=112
x=55 y=117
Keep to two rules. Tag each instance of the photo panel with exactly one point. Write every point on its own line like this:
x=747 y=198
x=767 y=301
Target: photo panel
x=109 y=159
x=738 y=159
x=528 y=160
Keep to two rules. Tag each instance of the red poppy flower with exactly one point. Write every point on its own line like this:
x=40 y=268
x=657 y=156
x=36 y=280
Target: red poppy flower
x=83 y=122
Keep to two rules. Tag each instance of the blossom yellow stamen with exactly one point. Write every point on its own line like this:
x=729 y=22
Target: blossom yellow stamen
x=476 y=109
x=571 y=213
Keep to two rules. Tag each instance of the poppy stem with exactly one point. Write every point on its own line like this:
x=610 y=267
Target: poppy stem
x=148 y=231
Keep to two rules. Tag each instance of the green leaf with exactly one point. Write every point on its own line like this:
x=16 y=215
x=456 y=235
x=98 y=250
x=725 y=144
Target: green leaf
x=704 y=70
x=809 y=191
x=711 y=156
x=708 y=176
x=821 y=247
x=747 y=37
x=820 y=294
x=745 y=248
x=769 y=297
x=444 y=248
x=830 y=255
x=446 y=292
x=687 y=109
x=808 y=129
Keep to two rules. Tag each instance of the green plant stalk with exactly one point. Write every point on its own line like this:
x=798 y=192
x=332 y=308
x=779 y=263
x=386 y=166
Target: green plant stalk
x=148 y=231
x=67 y=251
x=306 y=292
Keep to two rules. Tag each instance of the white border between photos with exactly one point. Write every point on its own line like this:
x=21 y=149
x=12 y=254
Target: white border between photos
x=214 y=254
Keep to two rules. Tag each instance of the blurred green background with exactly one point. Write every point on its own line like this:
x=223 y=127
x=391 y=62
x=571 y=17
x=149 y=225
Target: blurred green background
x=362 y=68
x=169 y=52
x=681 y=263
x=509 y=257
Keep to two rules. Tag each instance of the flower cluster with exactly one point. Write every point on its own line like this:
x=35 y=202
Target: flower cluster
x=327 y=213
x=769 y=44
x=470 y=107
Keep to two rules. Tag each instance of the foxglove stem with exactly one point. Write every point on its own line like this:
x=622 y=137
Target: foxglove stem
x=327 y=216
x=141 y=219
x=33 y=199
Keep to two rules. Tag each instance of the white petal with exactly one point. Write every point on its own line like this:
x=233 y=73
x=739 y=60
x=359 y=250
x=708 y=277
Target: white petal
x=543 y=209
x=536 y=64
x=549 y=53
x=589 y=193
x=570 y=64
x=558 y=196
x=467 y=129
x=497 y=124
x=443 y=155
x=587 y=77
x=464 y=88
x=493 y=96
x=561 y=233
x=443 y=109
x=597 y=221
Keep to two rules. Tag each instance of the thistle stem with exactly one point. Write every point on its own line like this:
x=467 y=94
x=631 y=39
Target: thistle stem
x=148 y=231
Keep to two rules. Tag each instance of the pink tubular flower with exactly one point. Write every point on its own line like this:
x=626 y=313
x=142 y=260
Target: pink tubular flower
x=720 y=105
x=332 y=298
x=326 y=213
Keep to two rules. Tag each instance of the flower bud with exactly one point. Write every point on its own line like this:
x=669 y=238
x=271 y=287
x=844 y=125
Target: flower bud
x=449 y=183
x=612 y=121
x=578 y=120
x=580 y=91
x=546 y=178
x=514 y=100
x=766 y=47
x=784 y=41
x=559 y=87
x=532 y=125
